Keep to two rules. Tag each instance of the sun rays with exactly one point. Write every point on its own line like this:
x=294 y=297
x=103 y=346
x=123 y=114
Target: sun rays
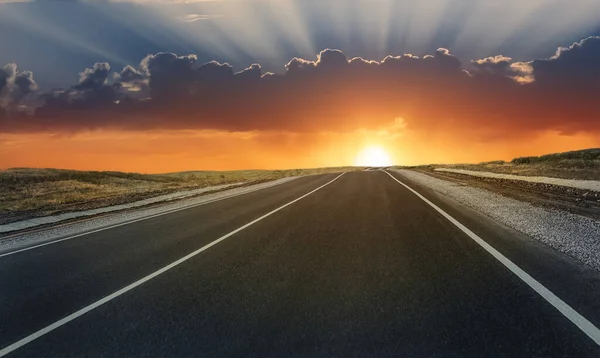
x=273 y=31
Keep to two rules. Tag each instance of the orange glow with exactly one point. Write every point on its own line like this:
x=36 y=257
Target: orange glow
x=373 y=156
x=169 y=151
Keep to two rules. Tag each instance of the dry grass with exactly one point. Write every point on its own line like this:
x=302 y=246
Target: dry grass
x=582 y=165
x=26 y=193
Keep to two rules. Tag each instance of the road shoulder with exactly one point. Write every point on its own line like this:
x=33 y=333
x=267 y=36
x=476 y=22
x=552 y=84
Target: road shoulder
x=56 y=230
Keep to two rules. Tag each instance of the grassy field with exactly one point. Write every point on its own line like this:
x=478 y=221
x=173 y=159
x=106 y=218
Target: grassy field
x=581 y=164
x=26 y=192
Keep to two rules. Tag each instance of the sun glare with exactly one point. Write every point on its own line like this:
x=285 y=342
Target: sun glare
x=373 y=156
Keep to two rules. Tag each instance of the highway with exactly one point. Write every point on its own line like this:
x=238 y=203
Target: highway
x=357 y=264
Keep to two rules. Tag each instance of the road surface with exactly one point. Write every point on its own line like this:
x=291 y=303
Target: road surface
x=329 y=265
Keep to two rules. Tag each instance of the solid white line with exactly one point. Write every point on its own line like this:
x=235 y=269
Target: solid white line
x=118 y=293
x=132 y=221
x=581 y=322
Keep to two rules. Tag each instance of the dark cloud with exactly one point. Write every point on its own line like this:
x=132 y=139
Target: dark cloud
x=171 y=76
x=494 y=96
x=331 y=59
x=251 y=74
x=327 y=61
x=7 y=73
x=299 y=65
x=93 y=78
x=24 y=83
x=214 y=73
x=130 y=74
x=92 y=93
x=577 y=65
x=15 y=85
x=3 y=78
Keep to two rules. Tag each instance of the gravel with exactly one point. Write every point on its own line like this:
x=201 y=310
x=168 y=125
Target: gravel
x=15 y=242
x=593 y=185
x=572 y=234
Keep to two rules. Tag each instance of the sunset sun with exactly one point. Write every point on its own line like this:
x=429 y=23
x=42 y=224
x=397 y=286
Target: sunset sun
x=373 y=156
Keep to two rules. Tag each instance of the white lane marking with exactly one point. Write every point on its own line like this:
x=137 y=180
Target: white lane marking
x=118 y=293
x=581 y=322
x=133 y=221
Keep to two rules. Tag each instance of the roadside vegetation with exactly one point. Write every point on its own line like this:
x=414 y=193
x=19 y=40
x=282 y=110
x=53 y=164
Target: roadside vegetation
x=27 y=192
x=580 y=164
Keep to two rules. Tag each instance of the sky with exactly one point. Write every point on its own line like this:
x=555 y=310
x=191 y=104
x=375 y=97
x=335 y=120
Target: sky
x=161 y=86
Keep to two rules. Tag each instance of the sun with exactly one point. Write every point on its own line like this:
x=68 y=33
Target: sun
x=373 y=156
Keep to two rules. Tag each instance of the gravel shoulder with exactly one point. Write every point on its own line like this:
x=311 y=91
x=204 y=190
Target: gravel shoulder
x=591 y=185
x=571 y=233
x=576 y=201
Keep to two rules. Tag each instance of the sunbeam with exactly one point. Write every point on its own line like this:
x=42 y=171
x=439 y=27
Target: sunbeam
x=42 y=25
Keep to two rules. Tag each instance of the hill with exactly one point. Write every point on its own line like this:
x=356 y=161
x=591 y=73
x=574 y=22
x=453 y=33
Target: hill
x=579 y=164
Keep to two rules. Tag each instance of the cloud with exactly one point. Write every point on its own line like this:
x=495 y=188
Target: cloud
x=118 y=1
x=578 y=64
x=130 y=74
x=197 y=17
x=15 y=85
x=25 y=83
x=250 y=74
x=496 y=65
x=486 y=98
x=92 y=93
x=170 y=76
x=93 y=78
x=4 y=75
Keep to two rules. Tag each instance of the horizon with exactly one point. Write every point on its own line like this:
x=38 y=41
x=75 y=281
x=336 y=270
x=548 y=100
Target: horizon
x=505 y=161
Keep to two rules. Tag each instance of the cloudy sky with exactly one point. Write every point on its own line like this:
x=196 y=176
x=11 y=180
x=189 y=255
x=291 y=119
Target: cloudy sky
x=168 y=85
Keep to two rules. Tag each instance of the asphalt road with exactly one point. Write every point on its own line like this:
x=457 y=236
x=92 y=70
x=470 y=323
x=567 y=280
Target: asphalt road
x=360 y=267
